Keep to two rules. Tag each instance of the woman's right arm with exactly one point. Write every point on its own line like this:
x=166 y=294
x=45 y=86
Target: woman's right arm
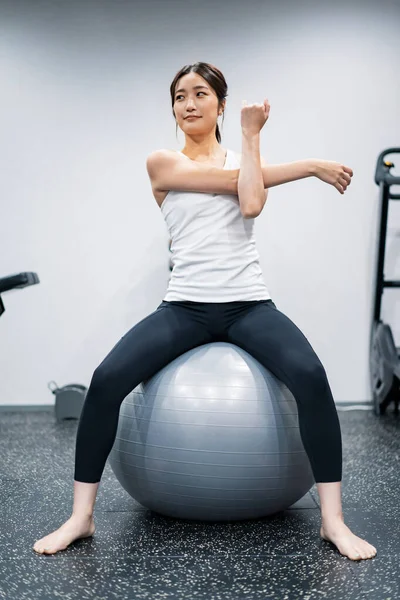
x=170 y=171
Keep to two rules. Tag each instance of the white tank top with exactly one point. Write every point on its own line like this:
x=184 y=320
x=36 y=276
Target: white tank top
x=214 y=255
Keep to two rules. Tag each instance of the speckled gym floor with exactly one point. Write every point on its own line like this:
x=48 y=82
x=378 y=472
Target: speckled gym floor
x=138 y=554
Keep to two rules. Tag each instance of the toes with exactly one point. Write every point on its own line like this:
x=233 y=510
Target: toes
x=365 y=550
x=39 y=549
x=363 y=554
x=370 y=551
x=359 y=554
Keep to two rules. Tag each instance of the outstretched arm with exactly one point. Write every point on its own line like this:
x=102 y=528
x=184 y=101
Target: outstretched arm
x=328 y=171
x=286 y=172
x=167 y=171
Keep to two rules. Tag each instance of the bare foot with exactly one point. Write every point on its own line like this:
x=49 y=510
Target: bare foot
x=73 y=529
x=347 y=543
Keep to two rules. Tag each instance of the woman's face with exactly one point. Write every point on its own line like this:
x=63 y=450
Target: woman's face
x=194 y=96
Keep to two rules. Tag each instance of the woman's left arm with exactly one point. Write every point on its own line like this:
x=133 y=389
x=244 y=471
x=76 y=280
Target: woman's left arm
x=327 y=171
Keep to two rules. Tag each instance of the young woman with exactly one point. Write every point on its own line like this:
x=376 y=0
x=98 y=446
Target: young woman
x=209 y=197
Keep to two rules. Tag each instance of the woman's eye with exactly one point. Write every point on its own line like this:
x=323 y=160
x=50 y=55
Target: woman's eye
x=177 y=98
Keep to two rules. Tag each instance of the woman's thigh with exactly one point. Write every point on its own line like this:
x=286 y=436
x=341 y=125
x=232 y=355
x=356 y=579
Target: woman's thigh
x=279 y=345
x=148 y=346
x=275 y=341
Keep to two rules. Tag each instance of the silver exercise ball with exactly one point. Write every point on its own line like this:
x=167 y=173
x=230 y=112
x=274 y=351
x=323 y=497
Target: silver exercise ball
x=213 y=436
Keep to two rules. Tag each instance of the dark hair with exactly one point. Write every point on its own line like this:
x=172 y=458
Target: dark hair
x=214 y=78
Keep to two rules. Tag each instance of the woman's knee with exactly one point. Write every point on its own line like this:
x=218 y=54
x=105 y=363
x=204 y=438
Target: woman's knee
x=103 y=377
x=310 y=372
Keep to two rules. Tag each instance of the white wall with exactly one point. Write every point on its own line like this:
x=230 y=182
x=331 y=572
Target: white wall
x=84 y=100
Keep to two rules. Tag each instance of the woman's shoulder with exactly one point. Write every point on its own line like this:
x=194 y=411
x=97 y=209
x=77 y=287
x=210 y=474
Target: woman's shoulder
x=163 y=152
x=160 y=158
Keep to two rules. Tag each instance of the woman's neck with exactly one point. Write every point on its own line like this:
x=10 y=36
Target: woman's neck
x=204 y=153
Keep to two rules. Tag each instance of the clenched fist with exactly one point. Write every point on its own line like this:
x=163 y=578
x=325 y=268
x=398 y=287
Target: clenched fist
x=254 y=116
x=334 y=173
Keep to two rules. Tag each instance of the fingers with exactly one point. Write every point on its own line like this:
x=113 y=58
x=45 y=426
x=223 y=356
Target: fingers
x=344 y=180
x=348 y=170
x=265 y=105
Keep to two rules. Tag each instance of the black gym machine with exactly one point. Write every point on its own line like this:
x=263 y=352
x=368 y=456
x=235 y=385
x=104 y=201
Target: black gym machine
x=384 y=355
x=20 y=280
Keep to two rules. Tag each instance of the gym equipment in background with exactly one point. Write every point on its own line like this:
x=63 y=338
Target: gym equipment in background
x=384 y=355
x=213 y=436
x=69 y=400
x=20 y=280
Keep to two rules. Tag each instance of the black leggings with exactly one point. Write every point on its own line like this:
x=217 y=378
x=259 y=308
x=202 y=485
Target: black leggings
x=174 y=328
